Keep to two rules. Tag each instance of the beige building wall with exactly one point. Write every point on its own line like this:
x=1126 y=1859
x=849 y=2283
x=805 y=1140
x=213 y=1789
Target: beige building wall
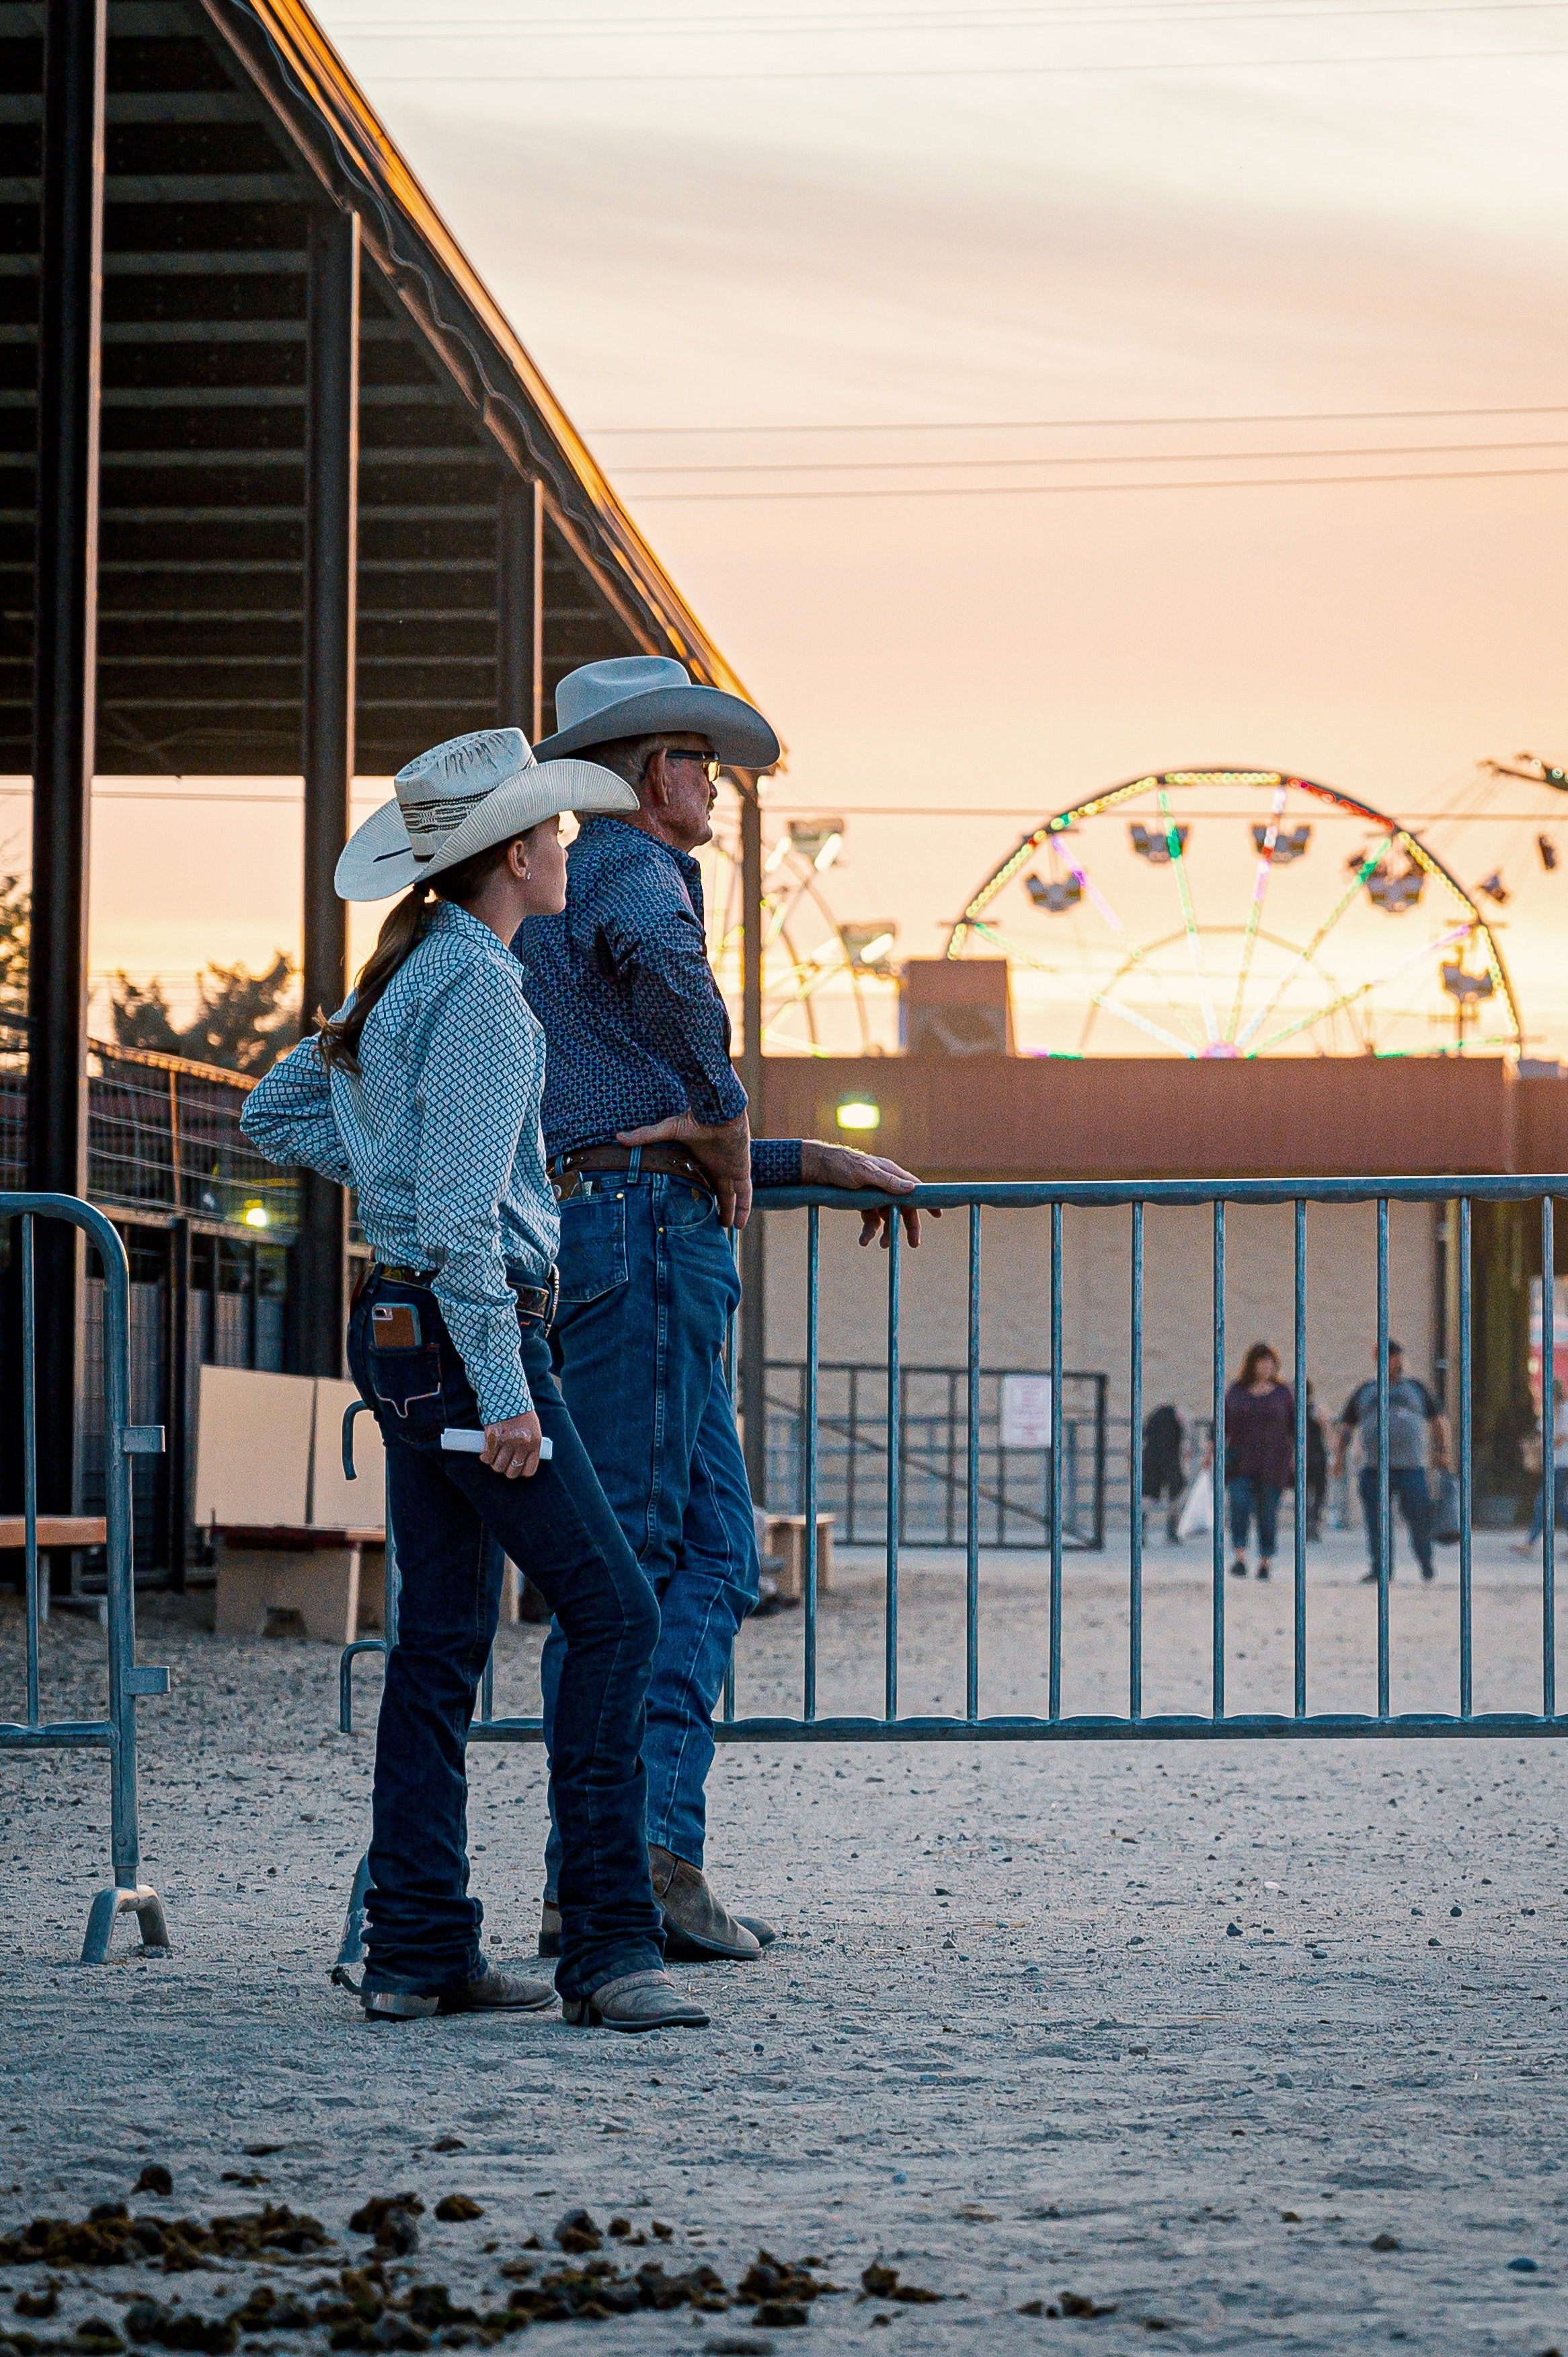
x=1178 y=1294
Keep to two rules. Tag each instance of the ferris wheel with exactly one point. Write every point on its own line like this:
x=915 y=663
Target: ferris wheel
x=1230 y=912
x=822 y=978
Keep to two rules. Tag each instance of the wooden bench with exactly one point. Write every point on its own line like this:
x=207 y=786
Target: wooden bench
x=56 y=1531
x=784 y=1542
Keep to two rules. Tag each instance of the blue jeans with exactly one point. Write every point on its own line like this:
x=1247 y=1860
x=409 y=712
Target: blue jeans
x=647 y=1289
x=453 y=1518
x=1246 y=1497
x=1408 y=1484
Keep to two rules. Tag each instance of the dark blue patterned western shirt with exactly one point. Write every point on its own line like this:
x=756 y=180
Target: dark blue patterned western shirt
x=636 y=1026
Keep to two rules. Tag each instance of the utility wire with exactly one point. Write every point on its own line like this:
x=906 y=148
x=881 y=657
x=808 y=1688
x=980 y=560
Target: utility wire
x=1090 y=458
x=477 y=28
x=1078 y=490
x=960 y=73
x=1052 y=425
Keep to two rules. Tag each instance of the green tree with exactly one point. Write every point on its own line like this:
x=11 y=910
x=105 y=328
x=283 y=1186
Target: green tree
x=243 y=1020
x=15 y=909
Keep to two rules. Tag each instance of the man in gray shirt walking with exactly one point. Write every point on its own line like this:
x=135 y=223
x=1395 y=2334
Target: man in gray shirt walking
x=1412 y=1414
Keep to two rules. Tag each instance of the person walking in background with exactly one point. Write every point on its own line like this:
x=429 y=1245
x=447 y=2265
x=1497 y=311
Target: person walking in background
x=1162 y=1475
x=653 y=1162
x=1412 y=1415
x=1559 y=1479
x=1260 y=1431
x=423 y=1092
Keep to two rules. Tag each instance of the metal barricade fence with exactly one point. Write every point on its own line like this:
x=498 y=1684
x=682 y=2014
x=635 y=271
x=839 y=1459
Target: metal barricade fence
x=121 y=1440
x=1137 y=1723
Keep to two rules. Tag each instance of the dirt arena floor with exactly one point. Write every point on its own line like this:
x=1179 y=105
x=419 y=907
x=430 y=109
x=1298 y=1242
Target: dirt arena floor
x=1255 y=2047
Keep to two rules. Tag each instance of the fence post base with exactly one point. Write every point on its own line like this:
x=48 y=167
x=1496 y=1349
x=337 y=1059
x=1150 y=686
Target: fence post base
x=143 y=1902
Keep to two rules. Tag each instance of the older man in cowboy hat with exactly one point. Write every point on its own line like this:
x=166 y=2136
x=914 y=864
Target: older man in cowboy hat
x=646 y=1128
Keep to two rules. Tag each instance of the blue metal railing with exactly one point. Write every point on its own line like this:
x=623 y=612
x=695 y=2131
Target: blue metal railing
x=127 y=1680
x=1137 y=1723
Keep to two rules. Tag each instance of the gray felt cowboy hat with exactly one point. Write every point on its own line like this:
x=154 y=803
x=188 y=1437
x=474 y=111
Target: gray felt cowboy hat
x=462 y=797
x=650 y=695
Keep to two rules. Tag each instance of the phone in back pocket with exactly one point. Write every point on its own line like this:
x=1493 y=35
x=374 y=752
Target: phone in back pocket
x=394 y=1326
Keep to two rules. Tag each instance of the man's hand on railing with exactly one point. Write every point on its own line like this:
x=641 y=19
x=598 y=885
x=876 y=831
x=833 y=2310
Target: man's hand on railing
x=723 y=1150
x=845 y=1166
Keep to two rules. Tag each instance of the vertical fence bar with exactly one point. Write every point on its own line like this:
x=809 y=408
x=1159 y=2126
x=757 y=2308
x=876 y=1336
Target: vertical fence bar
x=30 y=1462
x=1384 y=1532
x=809 y=1419
x=726 y=1706
x=894 y=1470
x=1548 y=1460
x=120 y=1612
x=1136 y=1501
x=1217 y=1469
x=488 y=1685
x=1300 y=1372
x=1055 y=1608
x=1466 y=1484
x=972 y=1481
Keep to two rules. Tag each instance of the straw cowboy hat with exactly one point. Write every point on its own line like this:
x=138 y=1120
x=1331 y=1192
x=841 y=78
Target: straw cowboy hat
x=652 y=696
x=462 y=797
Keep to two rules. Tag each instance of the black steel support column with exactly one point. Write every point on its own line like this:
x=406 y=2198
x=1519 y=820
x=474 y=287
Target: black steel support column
x=317 y=1291
x=64 y=670
x=753 y=1241
x=520 y=606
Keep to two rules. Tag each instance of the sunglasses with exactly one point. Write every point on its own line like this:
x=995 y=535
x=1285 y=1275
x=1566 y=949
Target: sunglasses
x=705 y=761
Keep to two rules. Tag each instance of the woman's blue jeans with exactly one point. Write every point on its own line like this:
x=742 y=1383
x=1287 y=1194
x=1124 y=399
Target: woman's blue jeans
x=1560 y=1484
x=647 y=1289
x=454 y=1520
x=1247 y=1497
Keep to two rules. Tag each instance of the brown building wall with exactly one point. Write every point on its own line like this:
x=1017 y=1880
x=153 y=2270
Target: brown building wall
x=1112 y=1117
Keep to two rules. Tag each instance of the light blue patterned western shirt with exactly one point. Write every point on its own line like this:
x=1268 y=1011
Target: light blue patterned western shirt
x=439 y=1131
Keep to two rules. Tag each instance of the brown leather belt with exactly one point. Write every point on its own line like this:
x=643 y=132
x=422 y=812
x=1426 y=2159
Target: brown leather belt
x=532 y=1300
x=668 y=1161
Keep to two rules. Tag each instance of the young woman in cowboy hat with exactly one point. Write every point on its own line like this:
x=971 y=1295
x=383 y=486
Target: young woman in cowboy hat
x=423 y=1092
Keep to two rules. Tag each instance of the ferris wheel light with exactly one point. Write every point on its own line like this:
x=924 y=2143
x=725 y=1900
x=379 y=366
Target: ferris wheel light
x=777 y=856
x=828 y=854
x=870 y=943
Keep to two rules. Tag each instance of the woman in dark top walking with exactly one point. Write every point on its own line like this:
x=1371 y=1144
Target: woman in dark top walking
x=1260 y=1422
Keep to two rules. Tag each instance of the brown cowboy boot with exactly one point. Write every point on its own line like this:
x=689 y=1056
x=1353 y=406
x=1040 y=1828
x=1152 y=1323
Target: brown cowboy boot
x=695 y=1925
x=675 y=1945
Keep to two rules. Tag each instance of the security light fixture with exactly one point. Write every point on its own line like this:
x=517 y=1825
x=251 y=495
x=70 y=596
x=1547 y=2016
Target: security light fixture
x=256 y=1216
x=859 y=1113
x=820 y=840
x=868 y=944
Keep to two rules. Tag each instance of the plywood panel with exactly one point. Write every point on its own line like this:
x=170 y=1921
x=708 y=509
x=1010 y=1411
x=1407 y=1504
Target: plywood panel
x=337 y=1505
x=253 y=1450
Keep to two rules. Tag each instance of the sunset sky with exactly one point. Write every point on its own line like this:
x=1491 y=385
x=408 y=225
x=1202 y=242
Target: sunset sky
x=941 y=351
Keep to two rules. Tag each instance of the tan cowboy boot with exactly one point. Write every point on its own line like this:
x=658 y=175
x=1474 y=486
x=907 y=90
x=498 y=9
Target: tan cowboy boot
x=695 y=1925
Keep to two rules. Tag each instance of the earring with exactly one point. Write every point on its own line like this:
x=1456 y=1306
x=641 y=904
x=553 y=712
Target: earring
x=527 y=875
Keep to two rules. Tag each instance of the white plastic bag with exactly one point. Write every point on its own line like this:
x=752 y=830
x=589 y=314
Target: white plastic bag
x=1198 y=1506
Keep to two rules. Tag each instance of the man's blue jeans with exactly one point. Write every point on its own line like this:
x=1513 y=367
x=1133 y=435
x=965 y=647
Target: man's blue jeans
x=647 y=1289
x=452 y=1519
x=1410 y=1490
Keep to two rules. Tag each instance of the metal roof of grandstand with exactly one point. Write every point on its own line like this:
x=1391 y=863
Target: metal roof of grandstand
x=229 y=123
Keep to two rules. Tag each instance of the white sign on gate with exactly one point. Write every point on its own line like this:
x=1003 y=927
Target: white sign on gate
x=1025 y=1411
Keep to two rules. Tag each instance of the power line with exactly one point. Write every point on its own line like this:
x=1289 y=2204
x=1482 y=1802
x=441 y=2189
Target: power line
x=479 y=28
x=1053 y=425
x=1092 y=458
x=962 y=74
x=1077 y=490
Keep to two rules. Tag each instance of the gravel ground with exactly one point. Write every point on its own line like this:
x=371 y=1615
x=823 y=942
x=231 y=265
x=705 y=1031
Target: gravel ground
x=1251 y=2046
